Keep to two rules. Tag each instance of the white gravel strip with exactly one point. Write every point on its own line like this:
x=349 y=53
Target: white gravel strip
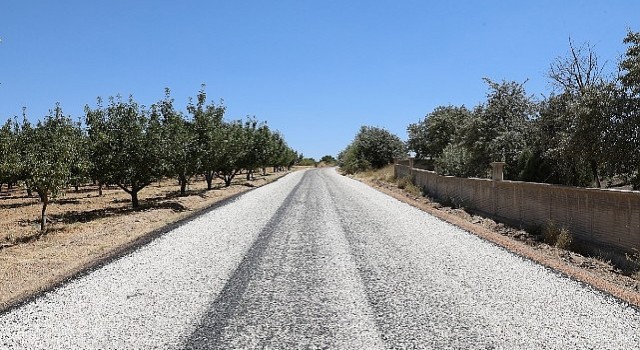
x=153 y=297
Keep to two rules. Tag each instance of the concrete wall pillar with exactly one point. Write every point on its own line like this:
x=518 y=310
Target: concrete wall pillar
x=497 y=173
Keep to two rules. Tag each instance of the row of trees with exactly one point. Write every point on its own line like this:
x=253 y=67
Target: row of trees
x=587 y=130
x=125 y=144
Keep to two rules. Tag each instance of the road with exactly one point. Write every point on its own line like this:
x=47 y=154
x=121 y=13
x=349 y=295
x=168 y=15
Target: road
x=320 y=261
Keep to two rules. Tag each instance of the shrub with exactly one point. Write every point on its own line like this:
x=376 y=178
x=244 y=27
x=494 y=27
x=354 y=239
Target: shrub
x=565 y=239
x=556 y=236
x=406 y=184
x=550 y=233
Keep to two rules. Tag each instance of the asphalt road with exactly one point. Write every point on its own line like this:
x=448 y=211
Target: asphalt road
x=319 y=261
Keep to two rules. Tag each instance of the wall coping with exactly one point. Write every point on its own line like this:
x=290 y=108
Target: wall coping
x=532 y=184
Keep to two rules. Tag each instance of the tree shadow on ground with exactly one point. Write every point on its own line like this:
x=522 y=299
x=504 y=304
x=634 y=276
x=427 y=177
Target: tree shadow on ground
x=18 y=205
x=95 y=214
x=72 y=217
x=66 y=201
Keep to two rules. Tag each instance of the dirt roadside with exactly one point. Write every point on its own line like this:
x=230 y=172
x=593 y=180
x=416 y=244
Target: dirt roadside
x=87 y=229
x=599 y=274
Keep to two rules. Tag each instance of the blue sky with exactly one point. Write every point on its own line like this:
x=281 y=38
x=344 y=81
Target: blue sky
x=315 y=70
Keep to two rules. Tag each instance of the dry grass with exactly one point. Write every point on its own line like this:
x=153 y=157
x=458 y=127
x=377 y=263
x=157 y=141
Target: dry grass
x=86 y=227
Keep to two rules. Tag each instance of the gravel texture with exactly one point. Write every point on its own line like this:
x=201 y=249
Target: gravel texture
x=314 y=261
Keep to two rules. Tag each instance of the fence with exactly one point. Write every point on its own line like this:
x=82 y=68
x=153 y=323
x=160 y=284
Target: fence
x=602 y=221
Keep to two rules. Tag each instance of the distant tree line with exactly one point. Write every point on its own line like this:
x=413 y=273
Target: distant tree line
x=586 y=132
x=124 y=144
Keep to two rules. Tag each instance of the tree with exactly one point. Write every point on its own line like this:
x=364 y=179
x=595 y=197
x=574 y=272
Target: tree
x=328 y=159
x=626 y=124
x=580 y=77
x=440 y=128
x=497 y=131
x=131 y=142
x=630 y=64
x=372 y=147
x=350 y=161
x=181 y=155
x=99 y=147
x=50 y=152
x=208 y=125
x=9 y=153
x=578 y=72
x=231 y=151
x=549 y=158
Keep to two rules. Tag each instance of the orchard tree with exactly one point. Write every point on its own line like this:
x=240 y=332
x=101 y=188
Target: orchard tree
x=208 y=126
x=181 y=154
x=230 y=155
x=252 y=146
x=9 y=153
x=50 y=150
x=131 y=140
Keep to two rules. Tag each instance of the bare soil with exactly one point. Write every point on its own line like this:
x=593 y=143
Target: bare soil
x=85 y=228
x=600 y=274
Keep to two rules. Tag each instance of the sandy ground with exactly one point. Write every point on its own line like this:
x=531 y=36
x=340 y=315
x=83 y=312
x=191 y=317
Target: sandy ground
x=85 y=228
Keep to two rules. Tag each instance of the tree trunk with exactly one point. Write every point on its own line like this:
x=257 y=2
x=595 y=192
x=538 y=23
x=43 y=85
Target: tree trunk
x=43 y=218
x=183 y=185
x=100 y=189
x=594 y=169
x=134 y=198
x=29 y=192
x=209 y=177
x=227 y=181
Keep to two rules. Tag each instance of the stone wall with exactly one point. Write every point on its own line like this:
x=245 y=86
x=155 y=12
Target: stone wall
x=602 y=221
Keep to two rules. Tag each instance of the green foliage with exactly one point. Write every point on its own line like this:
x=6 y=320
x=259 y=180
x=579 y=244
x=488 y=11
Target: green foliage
x=181 y=155
x=351 y=162
x=630 y=64
x=440 y=128
x=129 y=143
x=328 y=159
x=455 y=161
x=497 y=131
x=9 y=152
x=231 y=150
x=49 y=151
x=207 y=125
x=307 y=162
x=372 y=147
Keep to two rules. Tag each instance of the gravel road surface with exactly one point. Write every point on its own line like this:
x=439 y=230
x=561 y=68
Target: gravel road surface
x=319 y=261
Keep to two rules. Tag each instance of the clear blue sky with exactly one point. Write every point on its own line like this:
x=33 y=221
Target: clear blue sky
x=315 y=70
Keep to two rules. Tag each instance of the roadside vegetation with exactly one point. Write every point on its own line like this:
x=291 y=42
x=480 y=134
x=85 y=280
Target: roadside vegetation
x=125 y=144
x=585 y=133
